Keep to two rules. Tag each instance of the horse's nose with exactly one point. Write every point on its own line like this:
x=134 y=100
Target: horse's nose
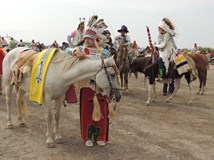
x=118 y=97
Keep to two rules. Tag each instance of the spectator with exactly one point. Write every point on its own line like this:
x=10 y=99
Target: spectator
x=12 y=44
x=77 y=35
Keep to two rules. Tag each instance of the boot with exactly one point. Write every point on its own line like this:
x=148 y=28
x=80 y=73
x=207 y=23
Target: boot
x=161 y=73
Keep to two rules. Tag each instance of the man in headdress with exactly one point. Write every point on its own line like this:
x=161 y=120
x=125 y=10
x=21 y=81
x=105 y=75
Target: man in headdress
x=92 y=130
x=166 y=46
x=77 y=35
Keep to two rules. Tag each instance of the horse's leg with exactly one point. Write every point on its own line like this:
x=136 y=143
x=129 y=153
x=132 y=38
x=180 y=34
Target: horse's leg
x=150 y=95
x=151 y=85
x=121 y=78
x=203 y=83
x=58 y=104
x=47 y=105
x=187 y=77
x=177 y=86
x=126 y=80
x=8 y=94
x=20 y=103
x=200 y=77
x=154 y=91
x=145 y=84
x=190 y=90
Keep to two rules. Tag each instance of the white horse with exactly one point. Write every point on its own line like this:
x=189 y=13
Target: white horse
x=56 y=84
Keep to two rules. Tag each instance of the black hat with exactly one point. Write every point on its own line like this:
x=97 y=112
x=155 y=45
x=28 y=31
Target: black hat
x=123 y=28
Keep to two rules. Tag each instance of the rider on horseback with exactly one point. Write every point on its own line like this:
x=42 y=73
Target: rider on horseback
x=166 y=45
x=123 y=38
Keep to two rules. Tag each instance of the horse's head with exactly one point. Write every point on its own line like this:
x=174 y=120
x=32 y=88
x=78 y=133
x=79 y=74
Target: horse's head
x=108 y=79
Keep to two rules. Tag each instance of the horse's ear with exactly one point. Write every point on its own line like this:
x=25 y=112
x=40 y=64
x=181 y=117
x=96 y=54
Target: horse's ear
x=108 y=61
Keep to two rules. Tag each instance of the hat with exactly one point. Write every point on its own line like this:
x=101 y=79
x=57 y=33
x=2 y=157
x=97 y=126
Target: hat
x=167 y=26
x=123 y=28
x=82 y=21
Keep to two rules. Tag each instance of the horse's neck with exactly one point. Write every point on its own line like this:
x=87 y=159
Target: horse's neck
x=123 y=53
x=82 y=70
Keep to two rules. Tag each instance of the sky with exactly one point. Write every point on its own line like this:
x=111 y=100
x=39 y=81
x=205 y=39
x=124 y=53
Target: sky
x=49 y=20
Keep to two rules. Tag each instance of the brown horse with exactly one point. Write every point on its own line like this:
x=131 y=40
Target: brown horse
x=202 y=65
x=150 y=69
x=123 y=64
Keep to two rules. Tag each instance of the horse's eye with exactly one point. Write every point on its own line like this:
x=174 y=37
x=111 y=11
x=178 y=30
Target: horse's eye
x=113 y=74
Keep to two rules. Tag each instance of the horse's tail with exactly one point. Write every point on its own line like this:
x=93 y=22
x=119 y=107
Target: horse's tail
x=24 y=108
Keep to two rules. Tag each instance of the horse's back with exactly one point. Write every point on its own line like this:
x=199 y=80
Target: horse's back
x=200 y=60
x=140 y=63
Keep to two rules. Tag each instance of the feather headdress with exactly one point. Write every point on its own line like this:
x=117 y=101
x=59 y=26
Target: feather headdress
x=167 y=26
x=82 y=20
x=95 y=28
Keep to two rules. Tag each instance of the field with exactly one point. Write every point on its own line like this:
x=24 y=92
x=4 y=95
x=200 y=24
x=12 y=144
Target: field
x=160 y=131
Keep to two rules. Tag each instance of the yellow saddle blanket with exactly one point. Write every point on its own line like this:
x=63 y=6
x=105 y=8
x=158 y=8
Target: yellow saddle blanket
x=181 y=64
x=38 y=74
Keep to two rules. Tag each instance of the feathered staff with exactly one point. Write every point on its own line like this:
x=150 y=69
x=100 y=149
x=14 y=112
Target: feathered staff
x=150 y=43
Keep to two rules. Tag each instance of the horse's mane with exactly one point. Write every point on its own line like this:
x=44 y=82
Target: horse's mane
x=122 y=56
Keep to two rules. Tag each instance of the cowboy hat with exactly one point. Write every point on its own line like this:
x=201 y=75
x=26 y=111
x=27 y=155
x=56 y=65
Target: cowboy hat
x=123 y=28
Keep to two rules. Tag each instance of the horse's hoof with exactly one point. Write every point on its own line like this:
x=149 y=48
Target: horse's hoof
x=190 y=102
x=22 y=125
x=167 y=101
x=202 y=93
x=9 y=126
x=153 y=101
x=197 y=92
x=147 y=103
x=51 y=145
x=59 y=140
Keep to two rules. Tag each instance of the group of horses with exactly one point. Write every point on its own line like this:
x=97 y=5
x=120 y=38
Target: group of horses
x=104 y=72
x=148 y=65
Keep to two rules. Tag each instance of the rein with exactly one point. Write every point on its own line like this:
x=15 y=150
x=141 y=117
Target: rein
x=111 y=86
x=110 y=98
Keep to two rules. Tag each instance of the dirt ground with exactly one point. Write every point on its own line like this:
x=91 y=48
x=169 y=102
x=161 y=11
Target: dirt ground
x=161 y=131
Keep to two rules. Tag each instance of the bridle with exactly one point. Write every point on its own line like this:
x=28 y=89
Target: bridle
x=103 y=66
x=110 y=98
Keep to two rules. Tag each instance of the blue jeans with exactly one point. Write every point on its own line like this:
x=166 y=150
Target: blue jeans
x=171 y=87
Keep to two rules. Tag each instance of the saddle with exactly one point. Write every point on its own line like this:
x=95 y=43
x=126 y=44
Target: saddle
x=22 y=65
x=191 y=66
